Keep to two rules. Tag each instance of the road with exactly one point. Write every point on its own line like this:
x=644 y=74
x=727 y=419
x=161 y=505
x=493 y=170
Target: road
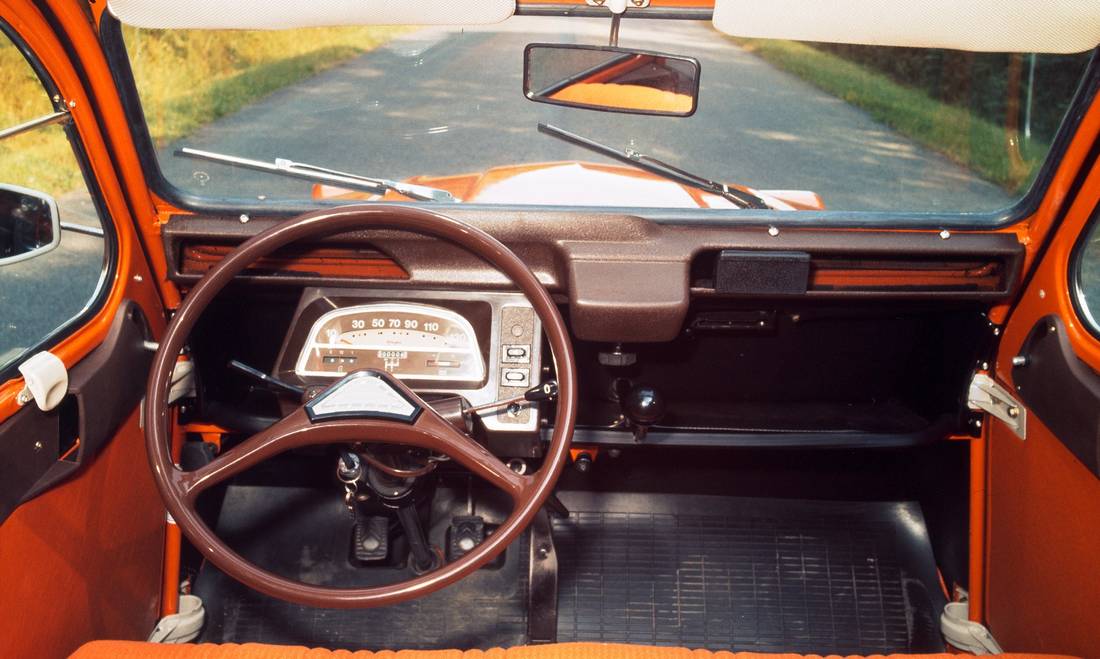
x=446 y=101
x=39 y=295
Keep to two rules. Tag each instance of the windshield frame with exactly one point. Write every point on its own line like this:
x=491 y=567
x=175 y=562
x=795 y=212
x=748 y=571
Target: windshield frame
x=1083 y=98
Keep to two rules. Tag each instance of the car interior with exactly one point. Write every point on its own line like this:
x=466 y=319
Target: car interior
x=307 y=411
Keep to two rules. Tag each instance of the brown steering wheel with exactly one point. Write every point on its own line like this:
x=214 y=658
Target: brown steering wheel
x=425 y=428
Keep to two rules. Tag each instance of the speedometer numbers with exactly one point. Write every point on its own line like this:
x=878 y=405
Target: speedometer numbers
x=411 y=341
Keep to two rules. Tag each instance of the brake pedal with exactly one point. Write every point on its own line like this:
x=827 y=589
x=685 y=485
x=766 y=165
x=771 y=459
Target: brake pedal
x=370 y=540
x=465 y=533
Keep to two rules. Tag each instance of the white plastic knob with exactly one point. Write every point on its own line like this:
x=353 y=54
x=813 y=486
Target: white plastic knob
x=46 y=380
x=616 y=6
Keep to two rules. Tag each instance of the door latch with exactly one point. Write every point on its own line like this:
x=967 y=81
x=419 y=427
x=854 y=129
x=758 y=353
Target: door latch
x=988 y=396
x=46 y=381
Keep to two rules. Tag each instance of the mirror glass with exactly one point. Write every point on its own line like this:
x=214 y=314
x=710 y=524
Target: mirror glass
x=29 y=224
x=611 y=79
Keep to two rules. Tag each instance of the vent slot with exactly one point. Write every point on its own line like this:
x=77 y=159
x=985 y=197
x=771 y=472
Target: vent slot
x=932 y=276
x=969 y=275
x=363 y=262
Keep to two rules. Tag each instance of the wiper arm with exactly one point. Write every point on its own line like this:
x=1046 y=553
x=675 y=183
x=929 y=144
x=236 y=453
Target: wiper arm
x=301 y=170
x=652 y=165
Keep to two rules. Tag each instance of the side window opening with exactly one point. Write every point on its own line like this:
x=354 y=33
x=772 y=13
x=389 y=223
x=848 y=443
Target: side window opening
x=46 y=281
x=1088 y=275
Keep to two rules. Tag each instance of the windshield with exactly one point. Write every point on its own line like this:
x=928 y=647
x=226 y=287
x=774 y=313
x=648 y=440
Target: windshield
x=798 y=125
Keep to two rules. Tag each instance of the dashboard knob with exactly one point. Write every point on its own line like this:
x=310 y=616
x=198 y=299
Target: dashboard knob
x=644 y=405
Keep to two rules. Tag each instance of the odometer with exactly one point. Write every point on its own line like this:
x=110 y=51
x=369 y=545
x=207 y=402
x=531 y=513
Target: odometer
x=411 y=341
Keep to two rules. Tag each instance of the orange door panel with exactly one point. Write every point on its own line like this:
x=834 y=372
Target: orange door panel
x=83 y=559
x=1042 y=517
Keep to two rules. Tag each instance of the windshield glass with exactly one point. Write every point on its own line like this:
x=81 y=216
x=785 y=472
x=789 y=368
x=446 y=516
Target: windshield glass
x=798 y=125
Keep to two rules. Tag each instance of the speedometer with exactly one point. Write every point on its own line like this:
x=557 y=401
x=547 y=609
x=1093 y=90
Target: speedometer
x=411 y=341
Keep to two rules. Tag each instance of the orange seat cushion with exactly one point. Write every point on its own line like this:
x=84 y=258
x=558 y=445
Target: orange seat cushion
x=135 y=649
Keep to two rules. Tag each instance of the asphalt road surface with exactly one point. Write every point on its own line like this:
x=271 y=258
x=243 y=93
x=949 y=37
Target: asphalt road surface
x=447 y=101
x=39 y=295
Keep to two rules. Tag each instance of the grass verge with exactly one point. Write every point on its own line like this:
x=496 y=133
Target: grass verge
x=976 y=143
x=186 y=78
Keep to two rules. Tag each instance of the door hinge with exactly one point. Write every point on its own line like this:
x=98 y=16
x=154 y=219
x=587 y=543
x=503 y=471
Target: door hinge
x=988 y=396
x=962 y=633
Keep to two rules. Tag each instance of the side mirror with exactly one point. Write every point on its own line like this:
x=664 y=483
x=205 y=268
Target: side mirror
x=611 y=79
x=29 y=224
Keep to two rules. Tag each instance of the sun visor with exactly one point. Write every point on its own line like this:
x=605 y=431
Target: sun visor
x=1019 y=26
x=280 y=14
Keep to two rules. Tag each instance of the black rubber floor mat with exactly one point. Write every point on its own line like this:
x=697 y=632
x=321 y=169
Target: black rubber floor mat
x=695 y=571
x=305 y=534
x=747 y=574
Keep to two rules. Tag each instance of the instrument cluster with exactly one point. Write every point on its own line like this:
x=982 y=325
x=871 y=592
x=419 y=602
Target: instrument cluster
x=484 y=346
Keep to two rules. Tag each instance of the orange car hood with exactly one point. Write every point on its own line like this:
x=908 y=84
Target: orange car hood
x=577 y=183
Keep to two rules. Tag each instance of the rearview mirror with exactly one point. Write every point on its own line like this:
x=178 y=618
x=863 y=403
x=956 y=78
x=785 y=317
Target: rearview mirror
x=29 y=224
x=611 y=79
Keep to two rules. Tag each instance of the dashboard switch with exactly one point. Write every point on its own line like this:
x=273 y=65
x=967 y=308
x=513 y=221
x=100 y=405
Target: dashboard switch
x=516 y=377
x=517 y=354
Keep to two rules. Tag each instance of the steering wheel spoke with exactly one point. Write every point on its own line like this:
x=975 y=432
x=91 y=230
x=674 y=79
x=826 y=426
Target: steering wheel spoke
x=289 y=432
x=463 y=449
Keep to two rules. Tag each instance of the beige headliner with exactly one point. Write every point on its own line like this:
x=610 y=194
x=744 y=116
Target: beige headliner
x=280 y=14
x=1050 y=26
x=1022 y=26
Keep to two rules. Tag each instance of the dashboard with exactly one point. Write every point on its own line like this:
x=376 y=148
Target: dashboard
x=688 y=310
x=484 y=346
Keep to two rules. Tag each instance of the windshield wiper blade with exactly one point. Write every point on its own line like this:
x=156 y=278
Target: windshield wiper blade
x=301 y=170
x=650 y=164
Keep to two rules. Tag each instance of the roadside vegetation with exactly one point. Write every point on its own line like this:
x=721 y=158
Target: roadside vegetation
x=185 y=79
x=967 y=106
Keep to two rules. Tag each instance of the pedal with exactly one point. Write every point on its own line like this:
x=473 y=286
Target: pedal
x=370 y=540
x=465 y=533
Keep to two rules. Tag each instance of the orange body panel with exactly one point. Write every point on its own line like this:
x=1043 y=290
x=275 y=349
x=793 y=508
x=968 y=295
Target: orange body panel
x=1042 y=524
x=468 y=186
x=1043 y=531
x=83 y=560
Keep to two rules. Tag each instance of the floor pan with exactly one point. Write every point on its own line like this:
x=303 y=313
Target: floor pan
x=747 y=574
x=696 y=571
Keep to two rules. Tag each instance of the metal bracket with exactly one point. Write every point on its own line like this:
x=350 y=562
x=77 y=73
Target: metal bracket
x=988 y=396
x=184 y=382
x=542 y=590
x=617 y=9
x=632 y=4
